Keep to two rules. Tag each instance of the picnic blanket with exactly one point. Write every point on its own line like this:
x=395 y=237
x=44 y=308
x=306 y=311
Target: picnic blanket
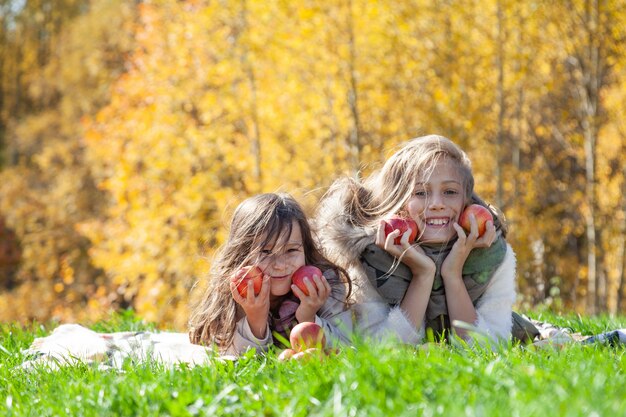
x=72 y=343
x=551 y=335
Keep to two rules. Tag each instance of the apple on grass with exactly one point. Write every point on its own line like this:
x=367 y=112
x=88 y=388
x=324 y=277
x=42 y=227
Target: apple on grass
x=290 y=354
x=309 y=353
x=307 y=335
x=402 y=224
x=482 y=215
x=244 y=275
x=305 y=271
x=286 y=354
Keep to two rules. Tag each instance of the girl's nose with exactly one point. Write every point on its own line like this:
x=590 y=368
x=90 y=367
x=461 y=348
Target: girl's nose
x=279 y=261
x=435 y=202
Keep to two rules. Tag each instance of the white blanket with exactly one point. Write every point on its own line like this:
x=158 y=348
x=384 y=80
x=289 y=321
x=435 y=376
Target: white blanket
x=73 y=343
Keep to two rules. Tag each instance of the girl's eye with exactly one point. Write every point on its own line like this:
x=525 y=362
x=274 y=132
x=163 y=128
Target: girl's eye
x=420 y=193
x=451 y=192
x=294 y=249
x=266 y=252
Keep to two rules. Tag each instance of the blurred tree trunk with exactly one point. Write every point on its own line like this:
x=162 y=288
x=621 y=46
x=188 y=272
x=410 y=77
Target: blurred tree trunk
x=586 y=69
x=501 y=107
x=254 y=113
x=4 y=46
x=590 y=78
x=621 y=255
x=353 y=96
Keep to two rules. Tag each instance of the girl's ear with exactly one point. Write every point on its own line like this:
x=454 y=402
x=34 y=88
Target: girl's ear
x=403 y=212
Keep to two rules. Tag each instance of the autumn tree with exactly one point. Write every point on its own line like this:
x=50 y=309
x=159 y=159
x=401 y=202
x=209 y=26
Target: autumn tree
x=66 y=55
x=131 y=130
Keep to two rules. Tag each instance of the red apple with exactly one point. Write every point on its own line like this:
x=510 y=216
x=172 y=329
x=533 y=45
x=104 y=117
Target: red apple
x=482 y=215
x=305 y=271
x=402 y=224
x=307 y=335
x=245 y=274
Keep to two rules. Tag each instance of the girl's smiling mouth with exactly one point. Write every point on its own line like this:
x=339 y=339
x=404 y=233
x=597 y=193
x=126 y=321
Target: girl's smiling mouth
x=437 y=221
x=281 y=277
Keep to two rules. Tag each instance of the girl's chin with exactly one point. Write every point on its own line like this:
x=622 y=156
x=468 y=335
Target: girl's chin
x=280 y=293
x=441 y=237
x=280 y=287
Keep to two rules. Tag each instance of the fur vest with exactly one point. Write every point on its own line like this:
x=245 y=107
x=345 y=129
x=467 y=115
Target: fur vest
x=344 y=244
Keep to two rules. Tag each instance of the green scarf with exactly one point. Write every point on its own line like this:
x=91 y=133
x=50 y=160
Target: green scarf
x=391 y=278
x=480 y=264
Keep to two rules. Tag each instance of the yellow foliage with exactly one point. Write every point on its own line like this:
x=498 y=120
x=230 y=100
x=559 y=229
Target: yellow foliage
x=155 y=125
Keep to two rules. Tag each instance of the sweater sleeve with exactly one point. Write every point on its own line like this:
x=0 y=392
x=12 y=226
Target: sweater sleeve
x=336 y=319
x=376 y=320
x=495 y=306
x=244 y=339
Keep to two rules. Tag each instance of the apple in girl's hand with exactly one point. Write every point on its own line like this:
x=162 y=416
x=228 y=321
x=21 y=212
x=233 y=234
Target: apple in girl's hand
x=245 y=274
x=482 y=215
x=402 y=224
x=307 y=335
x=305 y=271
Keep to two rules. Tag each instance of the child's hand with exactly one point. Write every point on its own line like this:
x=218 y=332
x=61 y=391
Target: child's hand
x=256 y=307
x=411 y=255
x=319 y=291
x=453 y=264
x=484 y=241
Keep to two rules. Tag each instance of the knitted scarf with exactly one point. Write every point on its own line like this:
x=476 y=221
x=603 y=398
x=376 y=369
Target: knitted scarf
x=391 y=278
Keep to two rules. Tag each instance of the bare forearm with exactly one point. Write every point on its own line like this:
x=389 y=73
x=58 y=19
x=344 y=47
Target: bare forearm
x=416 y=298
x=460 y=306
x=258 y=326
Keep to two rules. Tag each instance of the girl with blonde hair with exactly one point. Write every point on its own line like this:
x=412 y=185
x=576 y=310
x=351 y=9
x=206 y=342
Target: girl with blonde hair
x=447 y=276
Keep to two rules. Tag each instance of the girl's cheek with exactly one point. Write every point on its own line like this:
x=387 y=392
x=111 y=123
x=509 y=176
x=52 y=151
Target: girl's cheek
x=414 y=209
x=300 y=261
x=263 y=265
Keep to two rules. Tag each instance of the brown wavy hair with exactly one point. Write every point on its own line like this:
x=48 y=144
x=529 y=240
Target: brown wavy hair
x=257 y=222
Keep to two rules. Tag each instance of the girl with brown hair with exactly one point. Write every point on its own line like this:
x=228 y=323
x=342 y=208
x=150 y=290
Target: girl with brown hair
x=270 y=231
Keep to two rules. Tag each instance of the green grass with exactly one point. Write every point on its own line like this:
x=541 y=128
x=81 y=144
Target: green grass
x=365 y=380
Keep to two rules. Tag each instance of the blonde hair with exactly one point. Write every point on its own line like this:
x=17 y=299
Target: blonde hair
x=387 y=191
x=257 y=222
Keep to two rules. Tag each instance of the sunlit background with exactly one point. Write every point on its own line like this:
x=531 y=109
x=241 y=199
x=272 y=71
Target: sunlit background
x=130 y=130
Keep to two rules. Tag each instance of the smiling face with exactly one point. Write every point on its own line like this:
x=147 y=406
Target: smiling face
x=281 y=258
x=437 y=202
